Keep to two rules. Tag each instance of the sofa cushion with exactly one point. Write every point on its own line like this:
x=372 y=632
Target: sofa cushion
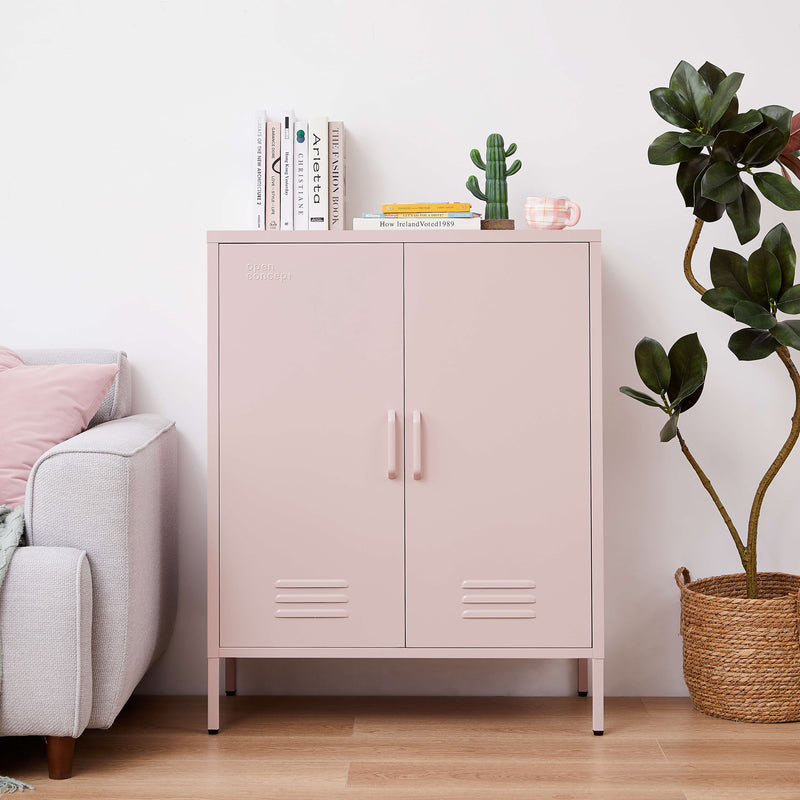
x=118 y=401
x=41 y=406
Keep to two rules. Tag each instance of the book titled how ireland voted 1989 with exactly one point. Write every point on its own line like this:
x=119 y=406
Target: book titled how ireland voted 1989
x=417 y=223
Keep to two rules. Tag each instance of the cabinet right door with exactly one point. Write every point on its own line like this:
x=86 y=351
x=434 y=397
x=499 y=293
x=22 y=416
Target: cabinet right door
x=498 y=492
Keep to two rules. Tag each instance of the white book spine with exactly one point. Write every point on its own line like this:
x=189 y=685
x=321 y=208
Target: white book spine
x=319 y=219
x=336 y=172
x=417 y=224
x=301 y=187
x=260 y=176
x=273 y=194
x=287 y=171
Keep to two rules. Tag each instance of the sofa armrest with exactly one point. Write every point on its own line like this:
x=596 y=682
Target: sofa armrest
x=45 y=632
x=111 y=491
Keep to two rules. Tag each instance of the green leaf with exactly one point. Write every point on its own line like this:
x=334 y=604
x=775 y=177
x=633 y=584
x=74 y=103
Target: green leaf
x=764 y=276
x=653 y=365
x=790 y=301
x=688 y=364
x=779 y=243
x=788 y=333
x=707 y=210
x=742 y=123
x=695 y=139
x=778 y=190
x=712 y=75
x=764 y=148
x=689 y=83
x=722 y=97
x=640 y=396
x=667 y=149
x=688 y=172
x=721 y=183
x=751 y=345
x=673 y=108
x=779 y=117
x=723 y=299
x=670 y=429
x=729 y=146
x=729 y=269
x=754 y=315
x=744 y=213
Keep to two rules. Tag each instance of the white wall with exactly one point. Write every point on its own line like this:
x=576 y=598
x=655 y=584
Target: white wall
x=126 y=133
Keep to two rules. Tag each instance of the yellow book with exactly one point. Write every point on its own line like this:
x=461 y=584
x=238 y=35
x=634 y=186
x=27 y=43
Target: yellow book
x=416 y=208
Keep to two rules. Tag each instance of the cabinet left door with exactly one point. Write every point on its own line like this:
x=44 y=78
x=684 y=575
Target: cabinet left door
x=310 y=480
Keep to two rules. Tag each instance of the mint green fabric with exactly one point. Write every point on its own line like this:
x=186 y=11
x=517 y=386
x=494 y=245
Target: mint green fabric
x=12 y=526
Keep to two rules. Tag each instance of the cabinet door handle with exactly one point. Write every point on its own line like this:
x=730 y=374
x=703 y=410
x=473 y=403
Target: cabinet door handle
x=416 y=418
x=391 y=446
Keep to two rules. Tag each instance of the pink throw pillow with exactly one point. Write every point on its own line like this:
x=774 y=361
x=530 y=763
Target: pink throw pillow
x=40 y=407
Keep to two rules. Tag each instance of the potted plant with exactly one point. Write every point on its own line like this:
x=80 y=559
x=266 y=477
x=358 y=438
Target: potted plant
x=741 y=647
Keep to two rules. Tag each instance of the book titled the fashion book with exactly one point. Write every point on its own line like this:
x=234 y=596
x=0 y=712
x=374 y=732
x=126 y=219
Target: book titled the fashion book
x=337 y=174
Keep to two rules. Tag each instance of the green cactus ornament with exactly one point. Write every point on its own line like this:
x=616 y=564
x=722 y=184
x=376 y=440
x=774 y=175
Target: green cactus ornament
x=496 y=196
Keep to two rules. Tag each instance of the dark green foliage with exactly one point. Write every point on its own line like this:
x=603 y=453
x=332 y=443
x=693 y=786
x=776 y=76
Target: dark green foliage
x=704 y=106
x=754 y=290
x=676 y=377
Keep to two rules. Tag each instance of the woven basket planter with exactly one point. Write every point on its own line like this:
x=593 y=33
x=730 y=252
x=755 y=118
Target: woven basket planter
x=741 y=658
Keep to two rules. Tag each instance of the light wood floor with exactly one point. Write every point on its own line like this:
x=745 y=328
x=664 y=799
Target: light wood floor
x=455 y=748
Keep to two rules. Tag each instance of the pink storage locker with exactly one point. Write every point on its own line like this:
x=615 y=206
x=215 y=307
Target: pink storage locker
x=405 y=448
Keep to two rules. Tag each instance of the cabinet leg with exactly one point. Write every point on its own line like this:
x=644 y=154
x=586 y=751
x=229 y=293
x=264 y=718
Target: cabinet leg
x=230 y=676
x=60 y=755
x=213 y=695
x=597 y=696
x=583 y=677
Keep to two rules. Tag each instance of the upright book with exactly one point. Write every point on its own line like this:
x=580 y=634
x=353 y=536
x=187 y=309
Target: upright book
x=318 y=219
x=260 y=176
x=287 y=171
x=301 y=176
x=336 y=172
x=273 y=189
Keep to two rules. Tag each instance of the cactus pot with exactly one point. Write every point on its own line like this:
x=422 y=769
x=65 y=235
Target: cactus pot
x=497 y=224
x=741 y=657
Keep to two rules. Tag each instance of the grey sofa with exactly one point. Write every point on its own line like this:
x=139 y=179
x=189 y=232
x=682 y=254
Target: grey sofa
x=88 y=606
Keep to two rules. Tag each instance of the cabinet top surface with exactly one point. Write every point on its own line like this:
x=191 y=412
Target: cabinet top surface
x=319 y=237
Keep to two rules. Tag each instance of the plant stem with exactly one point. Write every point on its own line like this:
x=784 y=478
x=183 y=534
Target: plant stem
x=737 y=540
x=687 y=259
x=749 y=562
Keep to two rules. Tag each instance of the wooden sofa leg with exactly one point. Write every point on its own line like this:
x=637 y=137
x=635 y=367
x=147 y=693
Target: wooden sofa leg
x=60 y=755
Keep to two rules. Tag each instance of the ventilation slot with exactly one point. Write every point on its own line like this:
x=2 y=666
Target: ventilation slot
x=498 y=599
x=309 y=602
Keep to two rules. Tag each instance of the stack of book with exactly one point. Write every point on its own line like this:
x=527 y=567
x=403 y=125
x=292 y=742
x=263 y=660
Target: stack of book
x=300 y=174
x=420 y=216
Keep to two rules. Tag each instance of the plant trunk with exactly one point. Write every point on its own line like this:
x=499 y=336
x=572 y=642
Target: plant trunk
x=748 y=552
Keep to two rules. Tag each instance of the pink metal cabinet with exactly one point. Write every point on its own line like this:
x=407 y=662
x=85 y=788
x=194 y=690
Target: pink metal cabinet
x=310 y=363
x=498 y=533
x=405 y=451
